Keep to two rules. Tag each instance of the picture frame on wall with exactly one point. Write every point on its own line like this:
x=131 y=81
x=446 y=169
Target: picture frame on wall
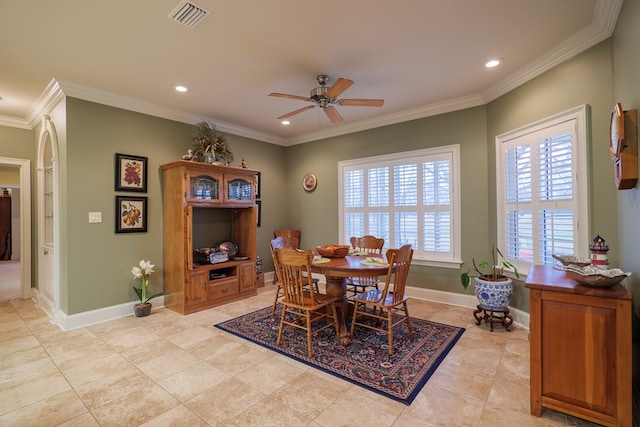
x=131 y=173
x=131 y=214
x=257 y=185
x=309 y=182
x=259 y=207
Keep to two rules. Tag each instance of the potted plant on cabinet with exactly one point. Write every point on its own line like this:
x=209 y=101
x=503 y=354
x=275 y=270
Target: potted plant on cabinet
x=493 y=289
x=209 y=146
x=143 y=271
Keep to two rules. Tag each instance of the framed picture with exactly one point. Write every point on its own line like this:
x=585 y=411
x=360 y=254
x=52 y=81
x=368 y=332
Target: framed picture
x=259 y=206
x=131 y=173
x=257 y=185
x=131 y=214
x=309 y=182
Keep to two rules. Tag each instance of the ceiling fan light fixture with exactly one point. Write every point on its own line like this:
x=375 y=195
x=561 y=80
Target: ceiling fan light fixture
x=325 y=97
x=285 y=122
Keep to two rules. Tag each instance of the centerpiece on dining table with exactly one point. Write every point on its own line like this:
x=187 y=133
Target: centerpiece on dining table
x=333 y=251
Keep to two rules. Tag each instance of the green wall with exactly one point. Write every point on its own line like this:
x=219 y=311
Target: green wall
x=16 y=143
x=626 y=90
x=585 y=79
x=316 y=213
x=96 y=261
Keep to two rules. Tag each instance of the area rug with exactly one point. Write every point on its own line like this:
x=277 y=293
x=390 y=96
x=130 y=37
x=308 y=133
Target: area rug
x=366 y=361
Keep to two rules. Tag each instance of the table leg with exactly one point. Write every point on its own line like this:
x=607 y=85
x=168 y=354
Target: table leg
x=338 y=289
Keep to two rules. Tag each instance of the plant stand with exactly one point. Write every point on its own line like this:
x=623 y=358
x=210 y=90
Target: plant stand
x=492 y=316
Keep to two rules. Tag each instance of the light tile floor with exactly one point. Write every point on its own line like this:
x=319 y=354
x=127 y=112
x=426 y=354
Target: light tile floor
x=172 y=370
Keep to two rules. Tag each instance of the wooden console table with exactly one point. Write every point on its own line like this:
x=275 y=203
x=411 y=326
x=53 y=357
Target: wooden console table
x=580 y=348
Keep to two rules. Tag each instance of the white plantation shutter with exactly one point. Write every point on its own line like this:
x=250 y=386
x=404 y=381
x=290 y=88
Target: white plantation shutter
x=540 y=198
x=406 y=198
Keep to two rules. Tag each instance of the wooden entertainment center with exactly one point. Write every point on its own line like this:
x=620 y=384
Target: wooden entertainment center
x=205 y=204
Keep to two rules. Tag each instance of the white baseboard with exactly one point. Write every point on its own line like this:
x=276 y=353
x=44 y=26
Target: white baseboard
x=80 y=320
x=521 y=318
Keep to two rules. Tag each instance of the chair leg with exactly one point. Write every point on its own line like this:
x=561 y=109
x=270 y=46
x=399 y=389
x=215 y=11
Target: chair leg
x=408 y=320
x=281 y=326
x=390 y=330
x=353 y=318
x=275 y=300
x=309 y=348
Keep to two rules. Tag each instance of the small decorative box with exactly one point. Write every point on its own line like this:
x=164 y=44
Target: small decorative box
x=218 y=257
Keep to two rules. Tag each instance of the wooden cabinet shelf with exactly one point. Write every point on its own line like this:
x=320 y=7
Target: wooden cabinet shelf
x=580 y=348
x=203 y=204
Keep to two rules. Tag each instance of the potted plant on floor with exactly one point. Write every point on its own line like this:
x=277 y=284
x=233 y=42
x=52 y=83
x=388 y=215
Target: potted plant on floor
x=143 y=271
x=493 y=289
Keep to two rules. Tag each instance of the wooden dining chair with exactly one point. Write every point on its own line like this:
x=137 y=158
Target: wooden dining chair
x=279 y=243
x=291 y=237
x=302 y=306
x=370 y=245
x=384 y=303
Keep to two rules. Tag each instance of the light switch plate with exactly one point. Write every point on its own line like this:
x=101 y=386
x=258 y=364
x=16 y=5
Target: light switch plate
x=95 y=217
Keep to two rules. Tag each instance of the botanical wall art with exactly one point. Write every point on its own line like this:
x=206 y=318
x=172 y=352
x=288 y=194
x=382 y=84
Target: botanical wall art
x=131 y=173
x=131 y=214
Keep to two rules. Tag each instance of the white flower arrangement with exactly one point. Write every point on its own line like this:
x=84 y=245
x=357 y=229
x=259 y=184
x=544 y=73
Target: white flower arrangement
x=143 y=271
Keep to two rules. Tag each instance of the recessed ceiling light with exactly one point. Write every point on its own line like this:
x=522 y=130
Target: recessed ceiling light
x=181 y=88
x=285 y=122
x=492 y=63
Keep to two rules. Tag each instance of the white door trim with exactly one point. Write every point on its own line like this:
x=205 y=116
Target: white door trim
x=25 y=222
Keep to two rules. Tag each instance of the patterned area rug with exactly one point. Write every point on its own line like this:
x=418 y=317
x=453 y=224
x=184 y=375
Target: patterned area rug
x=366 y=361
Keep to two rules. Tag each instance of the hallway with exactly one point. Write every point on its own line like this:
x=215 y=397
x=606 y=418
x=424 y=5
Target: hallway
x=9 y=280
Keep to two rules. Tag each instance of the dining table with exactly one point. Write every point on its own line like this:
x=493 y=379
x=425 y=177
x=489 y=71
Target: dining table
x=336 y=270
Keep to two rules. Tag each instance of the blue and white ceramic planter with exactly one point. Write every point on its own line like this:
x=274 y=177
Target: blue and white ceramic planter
x=493 y=295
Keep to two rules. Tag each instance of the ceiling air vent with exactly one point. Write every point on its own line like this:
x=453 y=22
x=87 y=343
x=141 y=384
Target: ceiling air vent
x=189 y=14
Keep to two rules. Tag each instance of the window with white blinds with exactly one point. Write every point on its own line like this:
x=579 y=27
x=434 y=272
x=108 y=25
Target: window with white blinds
x=410 y=197
x=541 y=190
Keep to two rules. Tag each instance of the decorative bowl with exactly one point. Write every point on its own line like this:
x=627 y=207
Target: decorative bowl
x=572 y=260
x=333 y=251
x=596 y=277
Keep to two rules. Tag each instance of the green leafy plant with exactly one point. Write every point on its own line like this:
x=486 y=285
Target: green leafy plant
x=208 y=140
x=143 y=271
x=493 y=272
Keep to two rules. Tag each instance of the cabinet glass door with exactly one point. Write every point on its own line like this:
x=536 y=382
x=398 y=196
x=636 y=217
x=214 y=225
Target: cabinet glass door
x=239 y=189
x=204 y=187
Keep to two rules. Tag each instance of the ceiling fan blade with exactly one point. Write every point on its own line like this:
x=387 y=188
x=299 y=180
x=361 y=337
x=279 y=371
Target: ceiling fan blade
x=333 y=114
x=362 y=102
x=298 y=111
x=338 y=87
x=284 y=95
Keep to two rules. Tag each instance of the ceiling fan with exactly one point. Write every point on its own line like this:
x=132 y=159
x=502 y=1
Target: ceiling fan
x=324 y=97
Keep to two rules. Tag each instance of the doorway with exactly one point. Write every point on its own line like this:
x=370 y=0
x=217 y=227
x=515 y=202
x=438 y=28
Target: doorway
x=16 y=272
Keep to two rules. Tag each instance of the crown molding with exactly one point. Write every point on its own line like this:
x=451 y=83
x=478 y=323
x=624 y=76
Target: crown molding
x=605 y=17
x=447 y=106
x=604 y=22
x=14 y=122
x=118 y=101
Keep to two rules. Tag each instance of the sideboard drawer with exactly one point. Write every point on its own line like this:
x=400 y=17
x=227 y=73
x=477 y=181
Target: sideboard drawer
x=223 y=288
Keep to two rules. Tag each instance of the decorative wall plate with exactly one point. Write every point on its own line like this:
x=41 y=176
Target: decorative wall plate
x=309 y=182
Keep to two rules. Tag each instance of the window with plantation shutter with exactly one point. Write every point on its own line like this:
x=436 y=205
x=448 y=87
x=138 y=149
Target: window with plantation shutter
x=541 y=190
x=410 y=197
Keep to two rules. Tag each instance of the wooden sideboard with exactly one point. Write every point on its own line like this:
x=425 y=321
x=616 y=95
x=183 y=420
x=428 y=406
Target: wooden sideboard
x=580 y=348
